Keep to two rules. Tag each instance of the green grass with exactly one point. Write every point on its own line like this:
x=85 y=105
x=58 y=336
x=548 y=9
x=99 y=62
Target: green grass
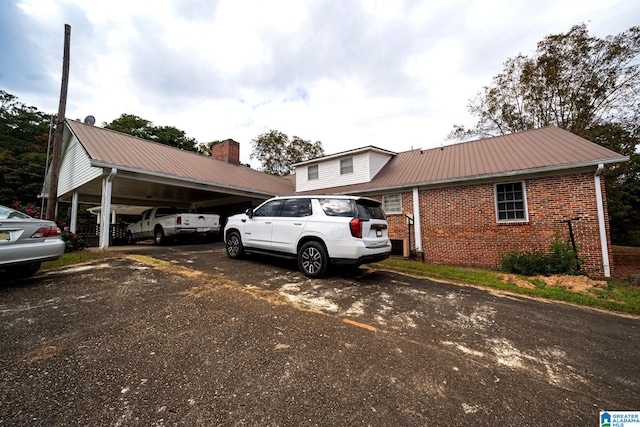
x=618 y=296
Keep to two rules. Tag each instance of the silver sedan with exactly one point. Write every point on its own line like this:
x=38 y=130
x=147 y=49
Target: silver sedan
x=26 y=242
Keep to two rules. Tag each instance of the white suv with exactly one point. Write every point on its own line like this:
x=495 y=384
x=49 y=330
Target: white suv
x=317 y=230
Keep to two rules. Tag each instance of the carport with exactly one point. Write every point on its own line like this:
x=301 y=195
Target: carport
x=119 y=173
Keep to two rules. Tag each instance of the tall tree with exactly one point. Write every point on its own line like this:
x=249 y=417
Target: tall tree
x=573 y=81
x=277 y=153
x=586 y=85
x=145 y=129
x=24 y=133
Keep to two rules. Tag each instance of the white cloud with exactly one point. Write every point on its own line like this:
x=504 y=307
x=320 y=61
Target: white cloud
x=395 y=74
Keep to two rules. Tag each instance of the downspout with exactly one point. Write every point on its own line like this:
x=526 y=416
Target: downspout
x=601 y=224
x=416 y=220
x=105 y=223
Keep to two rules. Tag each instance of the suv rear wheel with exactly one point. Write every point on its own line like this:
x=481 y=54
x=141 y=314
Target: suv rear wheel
x=312 y=259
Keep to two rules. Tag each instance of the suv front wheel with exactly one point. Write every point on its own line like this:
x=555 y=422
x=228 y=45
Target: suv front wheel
x=312 y=259
x=235 y=250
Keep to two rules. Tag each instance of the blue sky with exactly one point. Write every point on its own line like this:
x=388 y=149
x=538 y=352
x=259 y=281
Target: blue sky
x=393 y=74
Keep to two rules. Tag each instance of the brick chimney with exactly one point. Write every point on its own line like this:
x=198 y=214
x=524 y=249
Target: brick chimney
x=227 y=151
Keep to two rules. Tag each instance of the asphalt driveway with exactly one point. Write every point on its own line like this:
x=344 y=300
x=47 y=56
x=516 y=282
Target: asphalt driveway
x=213 y=341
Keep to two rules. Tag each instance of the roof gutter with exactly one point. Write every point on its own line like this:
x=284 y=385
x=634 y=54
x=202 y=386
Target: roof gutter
x=601 y=222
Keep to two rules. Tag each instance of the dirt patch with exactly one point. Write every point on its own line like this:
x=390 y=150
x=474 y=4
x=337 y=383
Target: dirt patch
x=573 y=283
x=41 y=353
x=570 y=283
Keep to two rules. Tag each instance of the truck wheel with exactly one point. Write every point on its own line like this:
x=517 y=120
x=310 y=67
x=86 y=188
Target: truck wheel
x=235 y=250
x=312 y=259
x=130 y=240
x=158 y=236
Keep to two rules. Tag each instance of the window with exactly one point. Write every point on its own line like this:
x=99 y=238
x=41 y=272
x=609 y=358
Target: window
x=296 y=207
x=392 y=203
x=346 y=165
x=511 y=204
x=271 y=208
x=312 y=172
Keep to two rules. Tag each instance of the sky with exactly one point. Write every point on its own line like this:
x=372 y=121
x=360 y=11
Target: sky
x=394 y=74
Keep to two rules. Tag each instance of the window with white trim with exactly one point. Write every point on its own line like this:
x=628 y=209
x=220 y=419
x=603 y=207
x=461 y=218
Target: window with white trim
x=346 y=165
x=511 y=202
x=312 y=172
x=392 y=204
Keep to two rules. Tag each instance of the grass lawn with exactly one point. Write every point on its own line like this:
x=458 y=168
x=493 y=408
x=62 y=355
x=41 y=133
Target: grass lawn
x=613 y=296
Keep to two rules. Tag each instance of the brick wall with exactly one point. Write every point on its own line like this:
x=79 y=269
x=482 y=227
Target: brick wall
x=459 y=224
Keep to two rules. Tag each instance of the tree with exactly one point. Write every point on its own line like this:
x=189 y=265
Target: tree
x=573 y=81
x=205 y=148
x=586 y=85
x=277 y=153
x=24 y=133
x=145 y=129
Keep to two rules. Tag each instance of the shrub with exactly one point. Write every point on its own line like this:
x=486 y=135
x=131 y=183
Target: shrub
x=73 y=242
x=559 y=259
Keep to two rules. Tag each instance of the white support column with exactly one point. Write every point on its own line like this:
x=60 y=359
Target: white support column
x=106 y=210
x=601 y=225
x=74 y=213
x=416 y=220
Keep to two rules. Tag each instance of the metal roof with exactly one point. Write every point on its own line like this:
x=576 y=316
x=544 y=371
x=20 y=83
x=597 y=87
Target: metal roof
x=108 y=148
x=544 y=150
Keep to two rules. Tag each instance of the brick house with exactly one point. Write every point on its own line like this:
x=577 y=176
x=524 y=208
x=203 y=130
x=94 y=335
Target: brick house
x=468 y=203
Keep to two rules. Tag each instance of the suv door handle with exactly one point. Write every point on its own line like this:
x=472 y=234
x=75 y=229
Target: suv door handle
x=267 y=222
x=297 y=223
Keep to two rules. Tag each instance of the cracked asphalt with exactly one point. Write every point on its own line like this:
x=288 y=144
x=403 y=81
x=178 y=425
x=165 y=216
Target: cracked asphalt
x=204 y=340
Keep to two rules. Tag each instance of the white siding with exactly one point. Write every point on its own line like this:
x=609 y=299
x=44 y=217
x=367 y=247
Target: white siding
x=329 y=174
x=76 y=169
x=377 y=162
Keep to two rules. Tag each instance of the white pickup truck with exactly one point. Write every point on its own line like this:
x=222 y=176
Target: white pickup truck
x=164 y=224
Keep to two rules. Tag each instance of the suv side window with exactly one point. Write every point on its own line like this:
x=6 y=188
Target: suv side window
x=337 y=207
x=296 y=207
x=272 y=208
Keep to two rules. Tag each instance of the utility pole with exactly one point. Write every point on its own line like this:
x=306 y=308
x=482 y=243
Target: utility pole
x=56 y=155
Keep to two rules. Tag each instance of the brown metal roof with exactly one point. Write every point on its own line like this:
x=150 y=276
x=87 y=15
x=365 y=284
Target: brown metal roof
x=534 y=151
x=106 y=147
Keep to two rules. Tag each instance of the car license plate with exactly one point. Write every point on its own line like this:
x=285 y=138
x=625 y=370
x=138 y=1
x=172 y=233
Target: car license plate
x=378 y=233
x=201 y=229
x=5 y=235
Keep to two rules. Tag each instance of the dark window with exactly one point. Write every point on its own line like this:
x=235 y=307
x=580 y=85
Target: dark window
x=510 y=202
x=271 y=208
x=312 y=172
x=338 y=207
x=369 y=209
x=362 y=208
x=296 y=207
x=346 y=165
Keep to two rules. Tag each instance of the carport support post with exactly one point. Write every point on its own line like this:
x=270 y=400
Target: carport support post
x=73 y=225
x=105 y=213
